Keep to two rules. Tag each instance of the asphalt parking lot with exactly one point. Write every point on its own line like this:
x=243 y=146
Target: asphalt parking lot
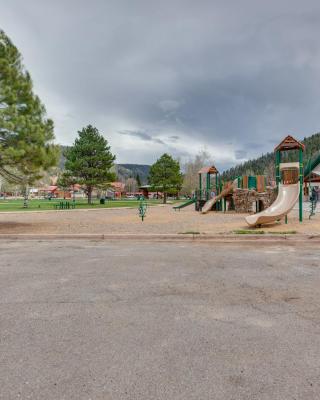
x=97 y=320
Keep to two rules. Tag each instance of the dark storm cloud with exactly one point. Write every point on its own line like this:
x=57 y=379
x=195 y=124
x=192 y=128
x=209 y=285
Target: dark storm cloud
x=141 y=135
x=234 y=76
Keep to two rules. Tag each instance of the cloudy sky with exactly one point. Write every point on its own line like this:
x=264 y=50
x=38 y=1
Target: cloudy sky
x=233 y=77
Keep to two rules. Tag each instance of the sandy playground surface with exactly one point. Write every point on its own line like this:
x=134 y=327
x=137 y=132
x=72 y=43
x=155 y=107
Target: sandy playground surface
x=159 y=220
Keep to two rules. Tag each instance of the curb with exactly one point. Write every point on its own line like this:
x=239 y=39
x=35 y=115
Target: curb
x=79 y=209
x=168 y=237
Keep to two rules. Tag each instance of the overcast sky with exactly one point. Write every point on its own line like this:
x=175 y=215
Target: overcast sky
x=174 y=76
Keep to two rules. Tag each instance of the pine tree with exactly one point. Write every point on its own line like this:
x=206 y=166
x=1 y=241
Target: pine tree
x=165 y=175
x=26 y=135
x=89 y=160
x=66 y=182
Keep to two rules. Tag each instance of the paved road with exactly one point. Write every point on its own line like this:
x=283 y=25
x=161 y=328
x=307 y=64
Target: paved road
x=141 y=321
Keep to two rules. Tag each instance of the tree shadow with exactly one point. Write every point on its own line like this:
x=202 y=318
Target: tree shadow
x=16 y=227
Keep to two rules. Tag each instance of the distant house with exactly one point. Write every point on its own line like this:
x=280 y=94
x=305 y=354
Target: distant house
x=118 y=188
x=57 y=192
x=149 y=192
x=48 y=191
x=145 y=189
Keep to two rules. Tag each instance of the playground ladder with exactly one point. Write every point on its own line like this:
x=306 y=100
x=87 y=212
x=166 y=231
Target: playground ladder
x=313 y=206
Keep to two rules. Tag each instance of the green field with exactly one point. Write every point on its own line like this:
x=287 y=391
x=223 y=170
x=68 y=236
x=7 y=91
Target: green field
x=38 y=205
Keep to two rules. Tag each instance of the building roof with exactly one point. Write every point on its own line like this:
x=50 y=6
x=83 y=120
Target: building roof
x=289 y=143
x=118 y=185
x=208 y=170
x=49 y=188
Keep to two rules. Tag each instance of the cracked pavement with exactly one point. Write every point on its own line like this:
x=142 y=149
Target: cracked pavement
x=132 y=320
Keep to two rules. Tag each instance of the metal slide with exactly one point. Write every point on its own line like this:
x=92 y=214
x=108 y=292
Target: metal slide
x=210 y=203
x=287 y=197
x=185 y=204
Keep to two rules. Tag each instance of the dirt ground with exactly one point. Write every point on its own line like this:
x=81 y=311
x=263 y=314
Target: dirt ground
x=159 y=220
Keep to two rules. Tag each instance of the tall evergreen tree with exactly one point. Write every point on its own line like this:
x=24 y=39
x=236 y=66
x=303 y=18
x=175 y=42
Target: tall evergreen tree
x=26 y=135
x=89 y=160
x=165 y=175
x=66 y=182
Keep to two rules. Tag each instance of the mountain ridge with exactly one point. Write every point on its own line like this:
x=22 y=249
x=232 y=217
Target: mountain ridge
x=123 y=170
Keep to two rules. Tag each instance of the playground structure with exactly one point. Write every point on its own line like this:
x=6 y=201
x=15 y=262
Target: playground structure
x=243 y=194
x=208 y=205
x=289 y=180
x=209 y=187
x=250 y=194
x=312 y=183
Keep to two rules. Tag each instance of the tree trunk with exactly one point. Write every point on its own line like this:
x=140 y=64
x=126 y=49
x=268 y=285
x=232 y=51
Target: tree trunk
x=25 y=197
x=164 y=197
x=89 y=195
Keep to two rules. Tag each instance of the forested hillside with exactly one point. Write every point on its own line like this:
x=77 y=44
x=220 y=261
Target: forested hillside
x=264 y=165
x=123 y=171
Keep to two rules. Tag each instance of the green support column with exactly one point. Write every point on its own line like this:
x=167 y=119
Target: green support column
x=278 y=160
x=208 y=187
x=220 y=190
x=240 y=182
x=200 y=186
x=217 y=190
x=301 y=184
x=217 y=184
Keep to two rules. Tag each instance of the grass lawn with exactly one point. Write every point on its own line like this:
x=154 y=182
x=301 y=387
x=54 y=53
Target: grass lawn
x=34 y=205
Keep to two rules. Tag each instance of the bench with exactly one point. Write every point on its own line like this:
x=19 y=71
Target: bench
x=64 y=205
